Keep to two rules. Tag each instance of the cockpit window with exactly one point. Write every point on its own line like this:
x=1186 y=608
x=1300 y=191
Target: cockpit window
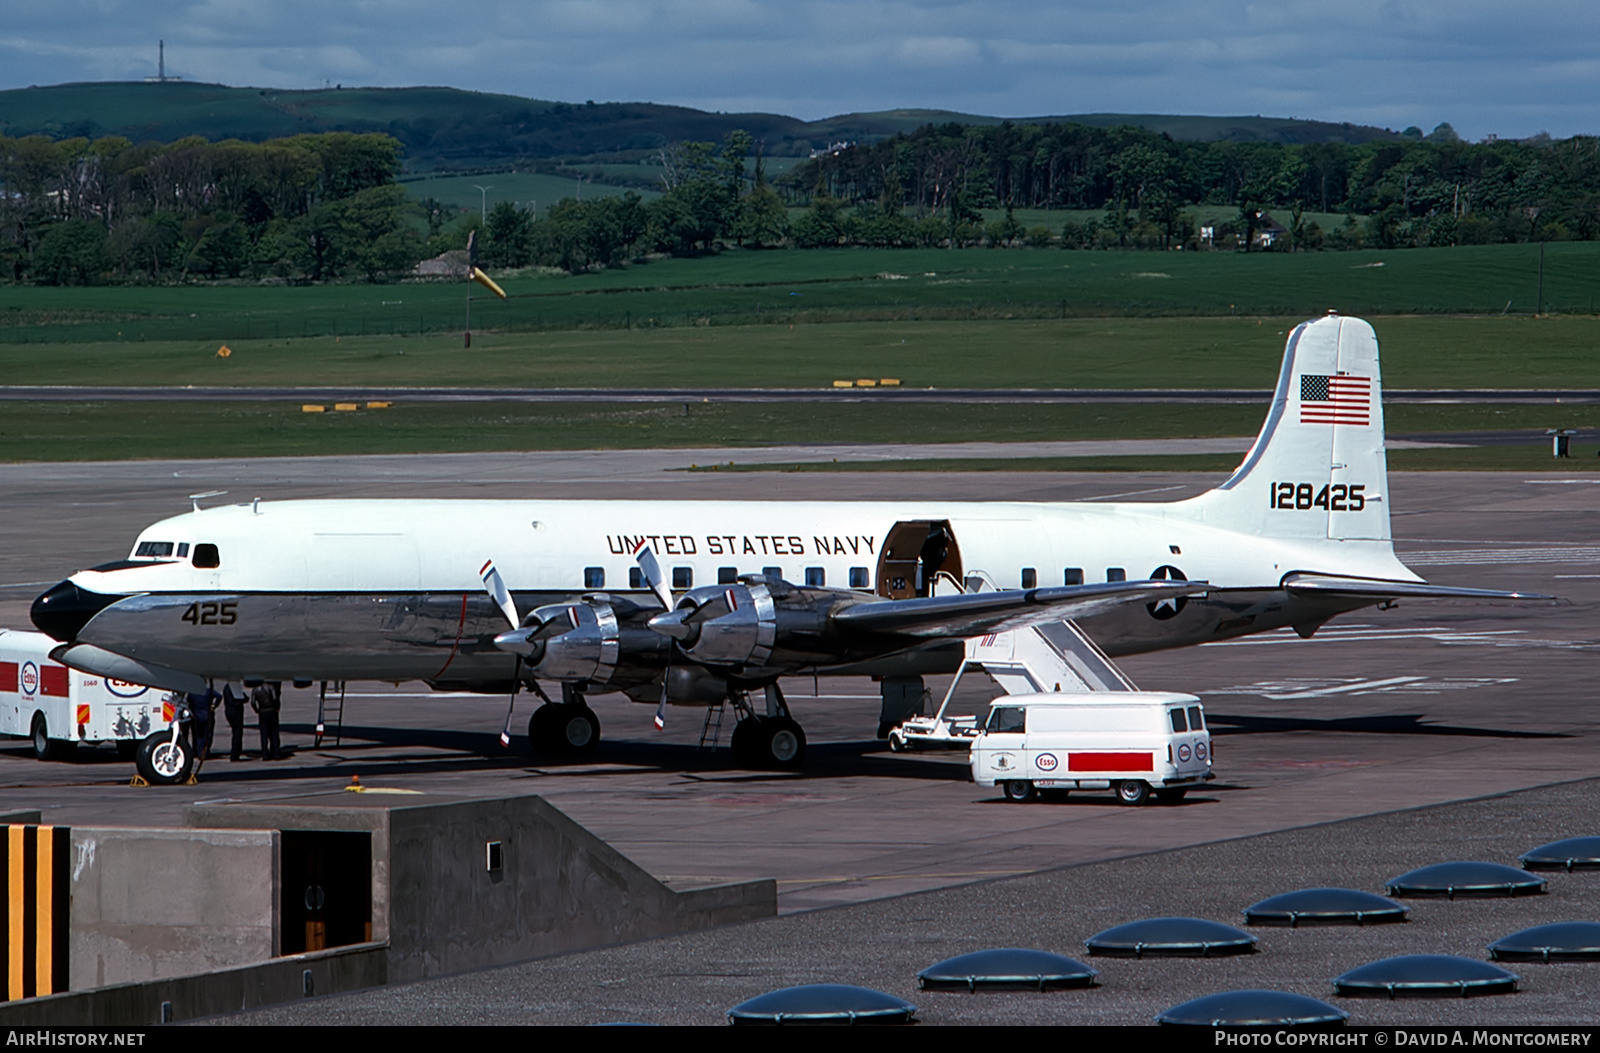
x=1007 y=718
x=153 y=550
x=205 y=556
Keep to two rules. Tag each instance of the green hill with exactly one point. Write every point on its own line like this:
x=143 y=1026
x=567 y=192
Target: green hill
x=451 y=128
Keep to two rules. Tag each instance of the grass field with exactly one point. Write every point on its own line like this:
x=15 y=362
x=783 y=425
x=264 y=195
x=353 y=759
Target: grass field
x=523 y=189
x=1419 y=352
x=780 y=287
x=974 y=318
x=121 y=430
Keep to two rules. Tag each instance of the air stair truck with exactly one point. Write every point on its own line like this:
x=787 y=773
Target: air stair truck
x=57 y=708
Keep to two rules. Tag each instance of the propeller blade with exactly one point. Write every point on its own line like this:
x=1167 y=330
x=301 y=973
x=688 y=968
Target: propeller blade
x=501 y=595
x=516 y=685
x=661 y=707
x=652 y=574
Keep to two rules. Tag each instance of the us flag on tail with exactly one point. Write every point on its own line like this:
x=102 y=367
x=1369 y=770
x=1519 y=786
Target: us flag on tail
x=1339 y=399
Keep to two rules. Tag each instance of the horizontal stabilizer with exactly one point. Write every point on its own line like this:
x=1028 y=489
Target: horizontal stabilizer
x=1302 y=584
x=975 y=614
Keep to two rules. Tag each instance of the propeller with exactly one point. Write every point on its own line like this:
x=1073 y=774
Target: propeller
x=651 y=570
x=496 y=587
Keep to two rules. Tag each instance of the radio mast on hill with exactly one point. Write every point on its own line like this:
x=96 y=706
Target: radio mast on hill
x=161 y=67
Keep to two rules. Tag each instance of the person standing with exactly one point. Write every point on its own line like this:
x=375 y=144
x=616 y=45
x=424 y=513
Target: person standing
x=200 y=715
x=233 y=710
x=267 y=700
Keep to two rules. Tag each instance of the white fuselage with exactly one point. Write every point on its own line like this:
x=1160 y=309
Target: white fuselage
x=390 y=589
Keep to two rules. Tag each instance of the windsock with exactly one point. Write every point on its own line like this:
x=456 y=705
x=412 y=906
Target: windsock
x=487 y=282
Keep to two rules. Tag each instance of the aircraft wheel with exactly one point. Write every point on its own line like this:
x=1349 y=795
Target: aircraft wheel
x=739 y=742
x=43 y=748
x=564 y=729
x=1019 y=790
x=768 y=742
x=1172 y=795
x=783 y=744
x=1133 y=791
x=577 y=731
x=162 y=762
x=541 y=730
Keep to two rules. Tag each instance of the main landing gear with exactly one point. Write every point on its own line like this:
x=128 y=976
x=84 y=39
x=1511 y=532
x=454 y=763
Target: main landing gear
x=774 y=740
x=568 y=728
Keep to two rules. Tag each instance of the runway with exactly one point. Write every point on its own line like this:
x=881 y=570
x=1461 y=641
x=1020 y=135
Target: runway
x=1422 y=705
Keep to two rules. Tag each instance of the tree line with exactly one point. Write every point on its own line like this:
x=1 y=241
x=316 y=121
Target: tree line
x=1414 y=190
x=326 y=206
x=76 y=211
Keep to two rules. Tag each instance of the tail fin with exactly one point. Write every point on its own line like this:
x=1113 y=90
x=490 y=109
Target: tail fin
x=1318 y=468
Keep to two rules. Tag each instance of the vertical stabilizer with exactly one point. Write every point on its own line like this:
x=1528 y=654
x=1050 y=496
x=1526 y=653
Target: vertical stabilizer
x=1318 y=469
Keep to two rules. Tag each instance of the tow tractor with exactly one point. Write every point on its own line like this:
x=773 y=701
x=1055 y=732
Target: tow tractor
x=935 y=732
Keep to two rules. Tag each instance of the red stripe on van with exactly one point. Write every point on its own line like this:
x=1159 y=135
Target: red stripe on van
x=1109 y=762
x=53 y=681
x=8 y=676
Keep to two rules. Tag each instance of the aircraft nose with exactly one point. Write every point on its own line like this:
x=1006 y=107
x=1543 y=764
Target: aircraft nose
x=63 y=610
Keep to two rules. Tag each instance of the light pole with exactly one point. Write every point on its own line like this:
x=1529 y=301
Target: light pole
x=483 y=208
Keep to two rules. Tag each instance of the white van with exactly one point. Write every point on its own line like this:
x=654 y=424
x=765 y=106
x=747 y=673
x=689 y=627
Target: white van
x=57 y=707
x=1133 y=742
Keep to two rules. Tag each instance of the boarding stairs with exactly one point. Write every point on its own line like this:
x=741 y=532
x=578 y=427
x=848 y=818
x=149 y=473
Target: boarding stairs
x=1052 y=657
x=324 y=709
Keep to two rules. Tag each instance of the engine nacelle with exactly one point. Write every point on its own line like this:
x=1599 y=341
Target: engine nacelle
x=574 y=641
x=723 y=624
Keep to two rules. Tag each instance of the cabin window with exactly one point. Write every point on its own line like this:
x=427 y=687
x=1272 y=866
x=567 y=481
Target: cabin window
x=1178 y=723
x=727 y=575
x=816 y=577
x=1197 y=720
x=773 y=572
x=1030 y=578
x=635 y=578
x=859 y=579
x=1073 y=576
x=1116 y=574
x=594 y=577
x=153 y=549
x=206 y=557
x=682 y=577
x=1007 y=718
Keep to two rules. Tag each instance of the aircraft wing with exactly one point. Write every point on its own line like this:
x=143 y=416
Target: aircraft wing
x=1300 y=583
x=977 y=614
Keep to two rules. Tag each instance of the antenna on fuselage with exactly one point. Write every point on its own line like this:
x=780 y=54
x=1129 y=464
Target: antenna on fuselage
x=197 y=498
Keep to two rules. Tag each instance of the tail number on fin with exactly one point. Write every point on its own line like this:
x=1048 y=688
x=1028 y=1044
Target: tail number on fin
x=1334 y=497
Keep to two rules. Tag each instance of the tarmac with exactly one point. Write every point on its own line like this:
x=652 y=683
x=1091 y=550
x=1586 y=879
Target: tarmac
x=1342 y=760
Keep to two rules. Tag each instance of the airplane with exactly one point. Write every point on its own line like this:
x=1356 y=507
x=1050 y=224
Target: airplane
x=751 y=591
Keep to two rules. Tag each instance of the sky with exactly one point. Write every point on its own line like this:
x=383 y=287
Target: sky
x=1487 y=68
